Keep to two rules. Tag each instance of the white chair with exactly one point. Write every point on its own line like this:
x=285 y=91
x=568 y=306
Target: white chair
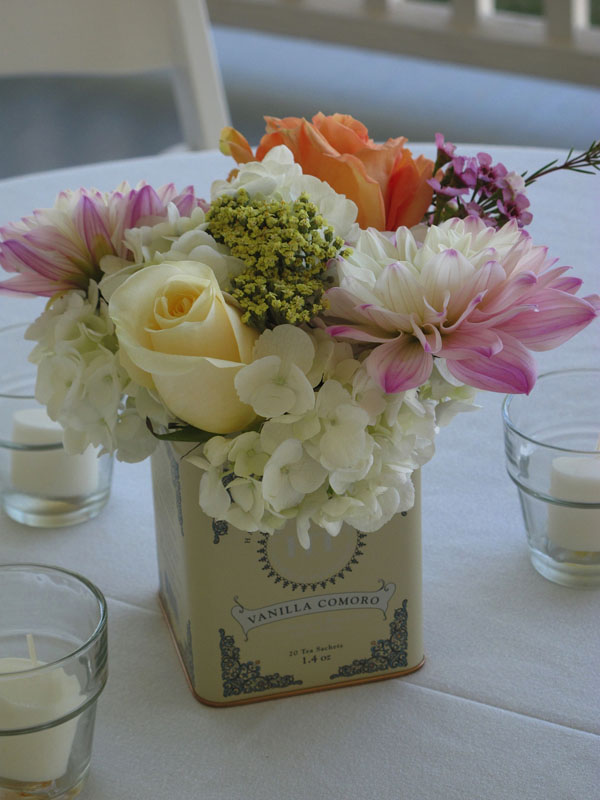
x=113 y=37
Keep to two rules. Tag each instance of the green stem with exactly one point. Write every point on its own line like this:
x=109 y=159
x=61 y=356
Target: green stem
x=590 y=158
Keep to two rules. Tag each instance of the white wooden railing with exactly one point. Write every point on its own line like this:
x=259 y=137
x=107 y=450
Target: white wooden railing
x=561 y=44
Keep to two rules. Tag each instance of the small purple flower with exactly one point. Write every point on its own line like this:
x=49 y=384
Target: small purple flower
x=475 y=210
x=489 y=174
x=445 y=149
x=448 y=191
x=514 y=200
x=466 y=170
x=515 y=209
x=512 y=184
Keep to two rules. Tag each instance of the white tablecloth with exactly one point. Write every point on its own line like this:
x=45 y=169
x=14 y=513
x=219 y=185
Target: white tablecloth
x=507 y=704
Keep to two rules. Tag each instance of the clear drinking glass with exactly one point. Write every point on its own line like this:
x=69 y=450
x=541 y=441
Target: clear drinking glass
x=552 y=452
x=40 y=485
x=53 y=667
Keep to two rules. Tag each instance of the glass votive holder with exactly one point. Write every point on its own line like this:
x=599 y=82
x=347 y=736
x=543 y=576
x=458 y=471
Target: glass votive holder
x=40 y=484
x=552 y=445
x=53 y=667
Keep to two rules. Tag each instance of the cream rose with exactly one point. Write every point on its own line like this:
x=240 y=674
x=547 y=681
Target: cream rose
x=182 y=337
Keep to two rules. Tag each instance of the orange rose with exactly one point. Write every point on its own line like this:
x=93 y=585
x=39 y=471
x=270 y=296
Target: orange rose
x=387 y=184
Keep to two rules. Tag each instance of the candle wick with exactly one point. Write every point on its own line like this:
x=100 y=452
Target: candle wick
x=31 y=648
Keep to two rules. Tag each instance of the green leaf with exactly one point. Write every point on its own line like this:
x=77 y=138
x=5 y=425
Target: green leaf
x=181 y=433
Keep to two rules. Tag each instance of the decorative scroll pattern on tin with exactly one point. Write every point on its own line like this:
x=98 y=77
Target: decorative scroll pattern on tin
x=389 y=653
x=177 y=485
x=245 y=677
x=287 y=583
x=219 y=528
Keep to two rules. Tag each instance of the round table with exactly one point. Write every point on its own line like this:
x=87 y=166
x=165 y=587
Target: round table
x=508 y=702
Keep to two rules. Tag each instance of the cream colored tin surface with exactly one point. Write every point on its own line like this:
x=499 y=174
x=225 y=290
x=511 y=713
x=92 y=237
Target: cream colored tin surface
x=256 y=616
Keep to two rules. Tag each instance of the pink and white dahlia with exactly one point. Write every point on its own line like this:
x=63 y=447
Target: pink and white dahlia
x=60 y=248
x=477 y=297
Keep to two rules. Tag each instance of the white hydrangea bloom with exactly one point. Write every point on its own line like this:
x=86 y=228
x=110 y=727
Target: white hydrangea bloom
x=133 y=440
x=214 y=497
x=274 y=387
x=58 y=381
x=344 y=442
x=298 y=426
x=147 y=405
x=376 y=506
x=452 y=396
x=247 y=504
x=198 y=245
x=369 y=395
x=176 y=239
x=81 y=382
x=275 y=382
x=79 y=377
x=348 y=459
x=289 y=343
x=247 y=456
x=216 y=450
x=290 y=474
x=147 y=241
x=331 y=513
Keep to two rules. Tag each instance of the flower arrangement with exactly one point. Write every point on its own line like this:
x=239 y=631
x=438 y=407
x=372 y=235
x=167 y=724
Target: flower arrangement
x=307 y=330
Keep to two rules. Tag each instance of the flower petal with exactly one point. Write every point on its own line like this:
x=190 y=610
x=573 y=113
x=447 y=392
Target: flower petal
x=470 y=341
x=511 y=370
x=144 y=205
x=232 y=143
x=344 y=172
x=15 y=256
x=408 y=195
x=560 y=316
x=92 y=229
x=400 y=364
x=202 y=404
x=401 y=288
x=290 y=343
x=33 y=284
x=48 y=238
x=354 y=333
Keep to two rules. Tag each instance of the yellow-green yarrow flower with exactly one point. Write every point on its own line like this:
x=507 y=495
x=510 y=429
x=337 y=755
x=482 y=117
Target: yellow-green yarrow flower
x=286 y=246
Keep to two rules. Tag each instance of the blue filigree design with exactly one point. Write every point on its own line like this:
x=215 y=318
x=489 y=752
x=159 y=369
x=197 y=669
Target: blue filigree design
x=386 y=654
x=171 y=609
x=219 y=528
x=288 y=583
x=174 y=464
x=245 y=677
x=169 y=595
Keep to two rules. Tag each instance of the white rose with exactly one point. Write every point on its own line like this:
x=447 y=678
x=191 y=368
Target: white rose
x=183 y=338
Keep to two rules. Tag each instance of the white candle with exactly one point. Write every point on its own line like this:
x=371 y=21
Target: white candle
x=576 y=479
x=49 y=473
x=33 y=700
